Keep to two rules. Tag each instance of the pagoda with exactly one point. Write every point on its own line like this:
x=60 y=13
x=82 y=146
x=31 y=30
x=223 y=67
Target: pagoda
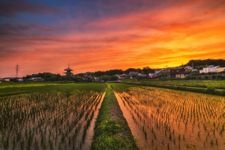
x=68 y=72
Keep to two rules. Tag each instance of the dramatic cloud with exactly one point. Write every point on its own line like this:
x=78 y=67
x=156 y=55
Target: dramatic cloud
x=100 y=35
x=21 y=6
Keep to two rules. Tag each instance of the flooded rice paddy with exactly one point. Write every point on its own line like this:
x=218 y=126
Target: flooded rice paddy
x=49 y=120
x=167 y=119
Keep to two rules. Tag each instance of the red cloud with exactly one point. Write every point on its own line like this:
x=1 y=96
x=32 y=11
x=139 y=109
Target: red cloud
x=162 y=37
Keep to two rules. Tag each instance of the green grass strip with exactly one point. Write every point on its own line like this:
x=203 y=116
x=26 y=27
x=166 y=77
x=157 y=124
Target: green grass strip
x=111 y=130
x=15 y=89
x=211 y=91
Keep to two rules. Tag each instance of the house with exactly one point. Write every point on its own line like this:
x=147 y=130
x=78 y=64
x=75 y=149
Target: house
x=142 y=75
x=220 y=69
x=35 y=79
x=208 y=69
x=122 y=76
x=180 y=76
x=179 y=73
x=161 y=73
x=13 y=79
x=97 y=79
x=212 y=69
x=7 y=79
x=151 y=75
x=133 y=73
x=188 y=68
x=19 y=79
x=156 y=74
x=88 y=77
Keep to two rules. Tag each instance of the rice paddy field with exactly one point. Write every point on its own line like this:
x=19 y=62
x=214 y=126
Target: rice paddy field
x=170 y=119
x=216 y=87
x=74 y=116
x=215 y=84
x=49 y=116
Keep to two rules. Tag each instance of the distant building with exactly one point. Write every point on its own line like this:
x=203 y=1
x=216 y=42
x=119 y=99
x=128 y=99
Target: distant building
x=180 y=76
x=179 y=73
x=188 y=69
x=151 y=75
x=118 y=76
x=212 y=69
x=142 y=75
x=35 y=79
x=220 y=69
x=20 y=79
x=68 y=72
x=133 y=73
x=8 y=79
x=157 y=73
x=123 y=76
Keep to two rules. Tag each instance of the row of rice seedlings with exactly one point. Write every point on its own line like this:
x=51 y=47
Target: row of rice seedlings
x=46 y=120
x=175 y=120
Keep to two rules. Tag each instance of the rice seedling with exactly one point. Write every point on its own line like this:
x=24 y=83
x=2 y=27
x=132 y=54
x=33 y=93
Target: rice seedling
x=169 y=119
x=49 y=120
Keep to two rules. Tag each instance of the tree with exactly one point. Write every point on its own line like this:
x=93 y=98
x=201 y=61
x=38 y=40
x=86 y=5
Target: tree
x=147 y=70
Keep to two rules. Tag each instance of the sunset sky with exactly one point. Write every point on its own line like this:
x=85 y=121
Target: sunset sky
x=90 y=35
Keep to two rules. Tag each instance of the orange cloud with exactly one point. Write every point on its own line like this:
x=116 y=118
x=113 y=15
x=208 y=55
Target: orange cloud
x=169 y=36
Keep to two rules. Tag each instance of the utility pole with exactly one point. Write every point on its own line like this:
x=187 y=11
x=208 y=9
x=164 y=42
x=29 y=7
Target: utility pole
x=17 y=70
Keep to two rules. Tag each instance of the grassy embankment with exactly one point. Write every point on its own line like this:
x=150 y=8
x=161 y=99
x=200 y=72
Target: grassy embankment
x=216 y=87
x=111 y=130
